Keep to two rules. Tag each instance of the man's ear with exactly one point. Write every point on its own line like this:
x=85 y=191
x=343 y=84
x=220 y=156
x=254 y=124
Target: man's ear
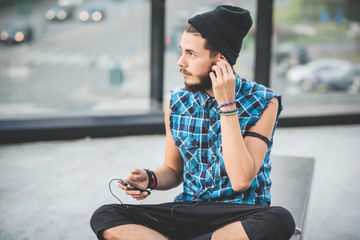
x=220 y=56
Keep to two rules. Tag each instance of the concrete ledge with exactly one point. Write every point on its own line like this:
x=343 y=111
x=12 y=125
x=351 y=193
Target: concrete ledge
x=15 y=131
x=68 y=128
x=292 y=179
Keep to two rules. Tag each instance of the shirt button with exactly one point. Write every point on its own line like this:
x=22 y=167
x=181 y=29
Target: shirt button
x=195 y=144
x=210 y=168
x=212 y=186
x=212 y=119
x=214 y=157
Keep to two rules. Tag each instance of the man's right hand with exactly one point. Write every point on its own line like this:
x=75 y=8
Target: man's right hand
x=138 y=178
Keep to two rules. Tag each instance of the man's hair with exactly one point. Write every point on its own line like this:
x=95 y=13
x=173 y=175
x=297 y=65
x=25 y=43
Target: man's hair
x=191 y=29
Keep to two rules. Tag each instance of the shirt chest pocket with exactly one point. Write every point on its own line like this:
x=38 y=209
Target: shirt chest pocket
x=189 y=148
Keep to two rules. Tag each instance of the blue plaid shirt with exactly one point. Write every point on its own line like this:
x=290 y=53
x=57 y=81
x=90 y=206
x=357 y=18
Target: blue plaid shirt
x=195 y=127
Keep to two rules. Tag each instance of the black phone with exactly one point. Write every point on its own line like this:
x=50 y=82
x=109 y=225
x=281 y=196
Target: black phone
x=130 y=187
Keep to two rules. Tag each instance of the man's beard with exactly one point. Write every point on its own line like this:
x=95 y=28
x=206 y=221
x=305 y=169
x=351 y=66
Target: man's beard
x=204 y=84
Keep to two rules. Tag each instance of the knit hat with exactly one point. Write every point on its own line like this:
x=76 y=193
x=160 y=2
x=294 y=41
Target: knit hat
x=224 y=27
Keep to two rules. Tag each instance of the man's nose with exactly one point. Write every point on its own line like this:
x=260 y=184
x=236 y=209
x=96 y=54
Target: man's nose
x=181 y=62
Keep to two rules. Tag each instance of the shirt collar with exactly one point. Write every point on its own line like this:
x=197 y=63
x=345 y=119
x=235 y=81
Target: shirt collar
x=203 y=98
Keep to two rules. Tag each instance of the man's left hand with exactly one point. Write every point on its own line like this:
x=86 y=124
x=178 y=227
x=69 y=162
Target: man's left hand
x=223 y=82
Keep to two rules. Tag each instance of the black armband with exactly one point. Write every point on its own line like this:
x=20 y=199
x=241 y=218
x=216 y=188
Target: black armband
x=257 y=135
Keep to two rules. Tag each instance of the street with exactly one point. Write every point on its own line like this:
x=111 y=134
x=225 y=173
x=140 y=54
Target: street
x=57 y=73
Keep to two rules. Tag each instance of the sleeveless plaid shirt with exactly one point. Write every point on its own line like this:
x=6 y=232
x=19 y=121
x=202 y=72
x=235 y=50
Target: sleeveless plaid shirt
x=195 y=127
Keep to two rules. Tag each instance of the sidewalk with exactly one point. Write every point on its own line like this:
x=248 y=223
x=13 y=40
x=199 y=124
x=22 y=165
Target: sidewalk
x=48 y=190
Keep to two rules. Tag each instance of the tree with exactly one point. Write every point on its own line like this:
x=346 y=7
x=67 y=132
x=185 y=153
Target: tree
x=351 y=10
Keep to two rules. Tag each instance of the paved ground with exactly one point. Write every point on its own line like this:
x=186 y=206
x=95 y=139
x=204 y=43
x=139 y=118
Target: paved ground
x=48 y=190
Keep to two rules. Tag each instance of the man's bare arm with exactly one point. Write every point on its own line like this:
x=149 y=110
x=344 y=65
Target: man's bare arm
x=169 y=174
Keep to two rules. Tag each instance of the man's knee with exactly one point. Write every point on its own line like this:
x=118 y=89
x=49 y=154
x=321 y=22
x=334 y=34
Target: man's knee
x=284 y=223
x=106 y=217
x=271 y=223
x=99 y=216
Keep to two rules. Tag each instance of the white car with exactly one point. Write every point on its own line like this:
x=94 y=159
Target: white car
x=324 y=74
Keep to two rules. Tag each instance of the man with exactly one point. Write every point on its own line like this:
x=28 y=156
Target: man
x=219 y=132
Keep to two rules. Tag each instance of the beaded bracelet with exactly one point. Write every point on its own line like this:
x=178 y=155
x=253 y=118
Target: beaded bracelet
x=226 y=104
x=229 y=113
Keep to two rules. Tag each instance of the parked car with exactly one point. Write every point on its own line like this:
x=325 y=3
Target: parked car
x=289 y=55
x=92 y=13
x=16 y=33
x=60 y=13
x=324 y=75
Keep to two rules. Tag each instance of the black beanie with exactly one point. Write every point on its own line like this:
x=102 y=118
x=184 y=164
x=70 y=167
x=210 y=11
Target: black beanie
x=224 y=27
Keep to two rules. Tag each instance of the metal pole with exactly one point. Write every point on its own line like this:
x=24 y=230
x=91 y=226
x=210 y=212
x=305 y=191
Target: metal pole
x=263 y=42
x=157 y=53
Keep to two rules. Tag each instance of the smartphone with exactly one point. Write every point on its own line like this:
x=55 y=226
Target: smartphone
x=130 y=187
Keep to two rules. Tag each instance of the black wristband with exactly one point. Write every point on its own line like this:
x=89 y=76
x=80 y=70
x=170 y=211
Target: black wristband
x=156 y=182
x=150 y=179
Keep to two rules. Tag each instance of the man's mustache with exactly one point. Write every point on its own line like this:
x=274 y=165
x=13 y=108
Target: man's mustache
x=184 y=71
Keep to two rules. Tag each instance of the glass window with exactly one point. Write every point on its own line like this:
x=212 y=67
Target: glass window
x=316 y=56
x=74 y=58
x=77 y=58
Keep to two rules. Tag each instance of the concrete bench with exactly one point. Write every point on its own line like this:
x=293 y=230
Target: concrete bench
x=292 y=177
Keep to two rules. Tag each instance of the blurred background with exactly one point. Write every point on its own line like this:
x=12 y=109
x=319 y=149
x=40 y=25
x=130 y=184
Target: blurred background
x=64 y=58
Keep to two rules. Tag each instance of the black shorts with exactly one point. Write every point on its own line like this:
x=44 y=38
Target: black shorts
x=197 y=220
